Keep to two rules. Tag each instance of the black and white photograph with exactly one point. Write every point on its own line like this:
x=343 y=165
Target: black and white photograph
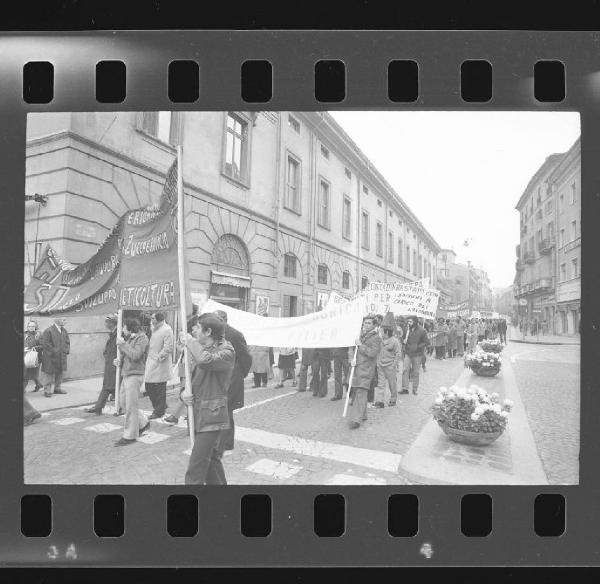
x=302 y=298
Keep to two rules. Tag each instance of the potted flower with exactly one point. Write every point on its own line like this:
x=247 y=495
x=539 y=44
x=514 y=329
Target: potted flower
x=471 y=416
x=491 y=346
x=483 y=363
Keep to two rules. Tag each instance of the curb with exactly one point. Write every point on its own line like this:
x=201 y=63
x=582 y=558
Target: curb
x=543 y=342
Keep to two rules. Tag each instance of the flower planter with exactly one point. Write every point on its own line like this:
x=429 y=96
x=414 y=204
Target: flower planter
x=487 y=371
x=470 y=438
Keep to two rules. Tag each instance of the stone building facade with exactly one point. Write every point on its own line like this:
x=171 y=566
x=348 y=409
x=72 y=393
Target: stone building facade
x=548 y=266
x=281 y=207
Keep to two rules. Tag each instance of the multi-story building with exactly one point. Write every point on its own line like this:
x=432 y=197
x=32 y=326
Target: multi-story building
x=547 y=281
x=279 y=205
x=504 y=301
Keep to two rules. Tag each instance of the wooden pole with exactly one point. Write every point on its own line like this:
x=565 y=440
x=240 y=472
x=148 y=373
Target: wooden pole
x=118 y=378
x=349 y=384
x=182 y=295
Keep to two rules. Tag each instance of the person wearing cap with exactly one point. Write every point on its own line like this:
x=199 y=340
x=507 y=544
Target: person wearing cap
x=110 y=370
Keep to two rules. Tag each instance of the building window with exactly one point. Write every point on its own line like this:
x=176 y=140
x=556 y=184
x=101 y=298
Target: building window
x=322 y=274
x=347 y=172
x=414 y=259
x=390 y=247
x=575 y=268
x=399 y=222
x=289 y=265
x=346 y=280
x=236 y=148
x=399 y=253
x=563 y=272
x=294 y=123
x=561 y=238
x=365 y=231
x=290 y=305
x=408 y=258
x=391 y=214
x=364 y=282
x=365 y=190
x=166 y=126
x=458 y=282
x=324 y=152
x=379 y=202
x=550 y=229
x=347 y=218
x=539 y=196
x=293 y=199
x=573 y=193
x=561 y=203
x=323 y=215
x=573 y=230
x=379 y=239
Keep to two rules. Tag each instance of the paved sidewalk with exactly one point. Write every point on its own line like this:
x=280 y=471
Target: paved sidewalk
x=512 y=459
x=515 y=336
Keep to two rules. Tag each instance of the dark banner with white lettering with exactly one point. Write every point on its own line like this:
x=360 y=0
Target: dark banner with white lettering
x=135 y=268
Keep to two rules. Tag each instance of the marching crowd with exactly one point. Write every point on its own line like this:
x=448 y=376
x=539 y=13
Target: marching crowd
x=220 y=360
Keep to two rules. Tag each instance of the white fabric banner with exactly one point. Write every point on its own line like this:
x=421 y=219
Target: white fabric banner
x=401 y=299
x=337 y=325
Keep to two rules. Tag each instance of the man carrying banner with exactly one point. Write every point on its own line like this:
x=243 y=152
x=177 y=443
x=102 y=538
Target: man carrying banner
x=368 y=347
x=415 y=342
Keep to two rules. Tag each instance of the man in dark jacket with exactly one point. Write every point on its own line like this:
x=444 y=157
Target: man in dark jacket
x=55 y=348
x=235 y=395
x=415 y=341
x=369 y=345
x=502 y=326
x=110 y=370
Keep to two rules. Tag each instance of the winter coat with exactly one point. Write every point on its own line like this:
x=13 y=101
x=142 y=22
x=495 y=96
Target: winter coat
x=308 y=356
x=210 y=384
x=243 y=363
x=415 y=343
x=366 y=359
x=133 y=354
x=33 y=341
x=260 y=359
x=390 y=352
x=110 y=354
x=55 y=348
x=340 y=353
x=452 y=337
x=441 y=332
x=160 y=351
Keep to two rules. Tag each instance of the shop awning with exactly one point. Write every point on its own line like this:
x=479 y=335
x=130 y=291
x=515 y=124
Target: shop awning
x=230 y=279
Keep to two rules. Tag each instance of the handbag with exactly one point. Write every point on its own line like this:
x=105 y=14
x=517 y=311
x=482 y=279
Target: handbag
x=31 y=359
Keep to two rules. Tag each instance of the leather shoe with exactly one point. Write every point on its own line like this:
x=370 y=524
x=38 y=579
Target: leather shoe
x=335 y=398
x=93 y=411
x=354 y=425
x=154 y=416
x=125 y=441
x=61 y=391
x=142 y=430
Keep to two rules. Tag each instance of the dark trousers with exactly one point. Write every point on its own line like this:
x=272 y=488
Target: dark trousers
x=341 y=370
x=31 y=374
x=103 y=398
x=502 y=336
x=371 y=390
x=227 y=438
x=320 y=374
x=205 y=466
x=439 y=352
x=29 y=412
x=157 y=392
x=424 y=360
x=260 y=378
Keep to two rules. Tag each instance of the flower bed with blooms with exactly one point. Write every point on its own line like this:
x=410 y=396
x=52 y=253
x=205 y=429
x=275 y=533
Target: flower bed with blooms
x=491 y=346
x=471 y=410
x=483 y=360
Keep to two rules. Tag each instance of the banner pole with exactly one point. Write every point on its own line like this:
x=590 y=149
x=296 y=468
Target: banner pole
x=187 y=391
x=118 y=373
x=349 y=384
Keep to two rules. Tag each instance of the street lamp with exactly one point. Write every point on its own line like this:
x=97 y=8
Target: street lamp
x=42 y=201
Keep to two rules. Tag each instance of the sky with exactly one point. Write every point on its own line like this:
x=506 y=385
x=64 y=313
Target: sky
x=462 y=173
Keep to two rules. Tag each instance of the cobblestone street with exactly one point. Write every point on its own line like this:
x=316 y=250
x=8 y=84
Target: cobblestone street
x=287 y=437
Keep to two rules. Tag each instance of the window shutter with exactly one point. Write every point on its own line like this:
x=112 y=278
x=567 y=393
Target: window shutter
x=150 y=122
x=286 y=305
x=176 y=132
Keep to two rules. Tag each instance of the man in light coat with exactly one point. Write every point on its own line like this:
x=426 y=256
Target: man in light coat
x=55 y=348
x=158 y=364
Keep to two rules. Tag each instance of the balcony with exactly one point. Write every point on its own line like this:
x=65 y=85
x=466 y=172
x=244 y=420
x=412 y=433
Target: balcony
x=529 y=257
x=545 y=245
x=543 y=284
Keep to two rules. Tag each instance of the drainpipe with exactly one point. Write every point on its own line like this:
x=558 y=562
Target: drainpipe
x=556 y=266
x=358 y=234
x=313 y=202
x=278 y=190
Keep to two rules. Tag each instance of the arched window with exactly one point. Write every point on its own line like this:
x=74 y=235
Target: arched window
x=322 y=274
x=364 y=282
x=230 y=272
x=290 y=264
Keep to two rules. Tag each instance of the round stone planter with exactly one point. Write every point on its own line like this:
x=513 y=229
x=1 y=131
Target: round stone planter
x=487 y=371
x=470 y=438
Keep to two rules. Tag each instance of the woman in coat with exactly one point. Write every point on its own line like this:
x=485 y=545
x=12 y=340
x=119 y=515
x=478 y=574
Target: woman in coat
x=452 y=339
x=32 y=342
x=260 y=364
x=472 y=335
x=441 y=333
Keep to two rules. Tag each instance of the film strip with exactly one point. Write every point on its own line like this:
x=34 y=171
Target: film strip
x=415 y=521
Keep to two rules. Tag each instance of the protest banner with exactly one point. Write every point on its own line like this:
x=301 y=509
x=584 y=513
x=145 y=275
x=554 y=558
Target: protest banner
x=335 y=326
x=453 y=310
x=401 y=299
x=135 y=267
x=336 y=298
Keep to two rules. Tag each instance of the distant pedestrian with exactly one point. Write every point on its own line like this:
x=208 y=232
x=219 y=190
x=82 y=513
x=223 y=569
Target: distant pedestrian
x=56 y=345
x=32 y=346
x=286 y=365
x=215 y=359
x=306 y=362
x=441 y=332
x=321 y=371
x=110 y=371
x=502 y=327
x=480 y=330
x=341 y=371
x=388 y=363
x=368 y=347
x=472 y=335
x=133 y=364
x=460 y=336
x=452 y=339
x=415 y=343
x=159 y=364
x=260 y=364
